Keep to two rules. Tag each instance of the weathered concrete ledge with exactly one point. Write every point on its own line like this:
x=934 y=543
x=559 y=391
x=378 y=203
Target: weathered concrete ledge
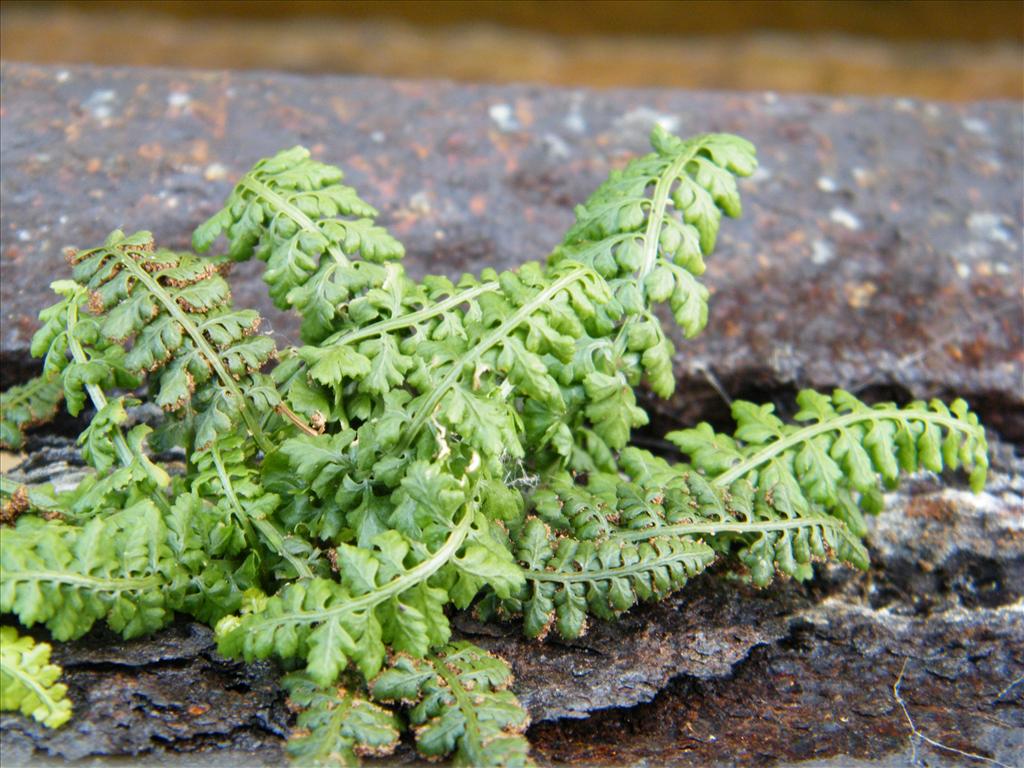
x=880 y=250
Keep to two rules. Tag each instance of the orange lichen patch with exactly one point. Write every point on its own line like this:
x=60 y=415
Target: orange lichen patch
x=198 y=709
x=931 y=508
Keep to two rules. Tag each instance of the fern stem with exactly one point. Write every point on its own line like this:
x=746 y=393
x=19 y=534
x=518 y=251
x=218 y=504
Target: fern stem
x=262 y=190
x=700 y=555
x=462 y=696
x=501 y=332
x=93 y=583
x=381 y=327
x=96 y=394
x=273 y=536
x=659 y=202
x=295 y=419
x=889 y=413
x=204 y=348
x=756 y=526
x=396 y=586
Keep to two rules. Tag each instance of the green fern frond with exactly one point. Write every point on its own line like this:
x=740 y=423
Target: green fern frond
x=116 y=567
x=28 y=405
x=317 y=236
x=203 y=356
x=337 y=725
x=459 y=703
x=648 y=227
x=839 y=444
x=28 y=681
x=391 y=595
x=567 y=578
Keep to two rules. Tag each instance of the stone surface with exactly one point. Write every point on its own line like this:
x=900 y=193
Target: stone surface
x=881 y=245
x=880 y=250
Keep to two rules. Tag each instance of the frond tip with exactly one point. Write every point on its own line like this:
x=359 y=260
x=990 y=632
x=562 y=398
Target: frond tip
x=840 y=444
x=28 y=681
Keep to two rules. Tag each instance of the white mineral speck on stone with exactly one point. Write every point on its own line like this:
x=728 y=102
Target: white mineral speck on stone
x=556 y=146
x=377 y=137
x=863 y=177
x=826 y=184
x=178 y=99
x=100 y=104
x=420 y=202
x=844 y=218
x=215 y=172
x=822 y=252
x=63 y=76
x=964 y=270
x=574 y=121
x=974 y=125
x=24 y=235
x=988 y=225
x=503 y=117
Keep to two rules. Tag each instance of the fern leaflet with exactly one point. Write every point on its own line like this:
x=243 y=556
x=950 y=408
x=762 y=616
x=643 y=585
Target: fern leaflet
x=28 y=681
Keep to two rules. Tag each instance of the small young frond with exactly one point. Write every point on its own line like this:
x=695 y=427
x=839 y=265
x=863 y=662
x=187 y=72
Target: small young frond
x=117 y=567
x=28 y=681
x=839 y=444
x=567 y=578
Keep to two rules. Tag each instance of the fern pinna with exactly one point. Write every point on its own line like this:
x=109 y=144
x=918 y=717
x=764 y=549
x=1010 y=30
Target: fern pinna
x=432 y=444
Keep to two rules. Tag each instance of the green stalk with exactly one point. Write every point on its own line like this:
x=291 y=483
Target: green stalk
x=463 y=697
x=99 y=399
x=396 y=586
x=381 y=327
x=41 y=693
x=269 y=531
x=713 y=527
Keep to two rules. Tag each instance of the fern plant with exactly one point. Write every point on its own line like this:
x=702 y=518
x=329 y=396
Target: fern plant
x=432 y=445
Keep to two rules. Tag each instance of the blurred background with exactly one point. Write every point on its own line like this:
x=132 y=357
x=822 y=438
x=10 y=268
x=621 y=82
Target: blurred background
x=936 y=49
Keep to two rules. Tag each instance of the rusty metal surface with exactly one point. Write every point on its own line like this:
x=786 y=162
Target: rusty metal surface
x=881 y=244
